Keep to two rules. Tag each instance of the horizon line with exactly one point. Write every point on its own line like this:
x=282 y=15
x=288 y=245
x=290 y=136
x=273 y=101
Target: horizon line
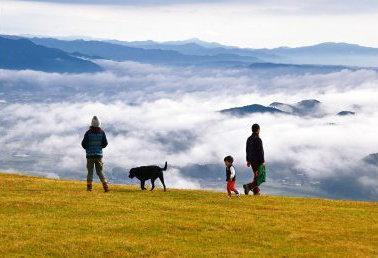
x=89 y=38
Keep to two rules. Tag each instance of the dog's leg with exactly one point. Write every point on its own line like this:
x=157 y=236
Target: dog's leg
x=142 y=185
x=162 y=181
x=153 y=183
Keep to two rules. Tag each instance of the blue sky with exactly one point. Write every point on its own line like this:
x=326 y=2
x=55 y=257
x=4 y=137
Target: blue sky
x=258 y=23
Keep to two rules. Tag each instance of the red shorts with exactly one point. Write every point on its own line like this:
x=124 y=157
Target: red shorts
x=230 y=186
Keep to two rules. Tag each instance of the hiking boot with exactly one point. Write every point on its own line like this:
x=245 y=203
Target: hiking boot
x=106 y=187
x=246 y=189
x=89 y=187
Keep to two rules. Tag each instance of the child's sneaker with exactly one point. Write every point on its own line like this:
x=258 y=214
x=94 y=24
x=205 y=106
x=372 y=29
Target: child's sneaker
x=238 y=195
x=89 y=187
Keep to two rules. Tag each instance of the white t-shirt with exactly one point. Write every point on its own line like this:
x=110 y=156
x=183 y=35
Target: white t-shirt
x=233 y=173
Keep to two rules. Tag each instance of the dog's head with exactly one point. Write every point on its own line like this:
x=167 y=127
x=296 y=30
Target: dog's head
x=132 y=173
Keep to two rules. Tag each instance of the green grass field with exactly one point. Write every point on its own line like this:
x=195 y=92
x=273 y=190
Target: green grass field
x=42 y=217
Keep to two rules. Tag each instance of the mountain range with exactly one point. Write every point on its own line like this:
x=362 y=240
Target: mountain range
x=56 y=55
x=327 y=53
x=21 y=54
x=195 y=51
x=121 y=52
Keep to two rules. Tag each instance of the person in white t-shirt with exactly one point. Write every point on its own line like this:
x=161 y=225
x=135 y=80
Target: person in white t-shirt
x=230 y=176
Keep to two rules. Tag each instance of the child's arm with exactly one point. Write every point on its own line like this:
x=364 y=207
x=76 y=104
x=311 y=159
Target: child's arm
x=232 y=169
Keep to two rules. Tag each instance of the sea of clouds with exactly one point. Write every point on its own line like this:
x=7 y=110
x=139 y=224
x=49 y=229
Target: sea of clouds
x=155 y=113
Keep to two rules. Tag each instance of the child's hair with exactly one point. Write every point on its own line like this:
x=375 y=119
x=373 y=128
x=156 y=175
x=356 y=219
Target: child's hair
x=255 y=128
x=229 y=159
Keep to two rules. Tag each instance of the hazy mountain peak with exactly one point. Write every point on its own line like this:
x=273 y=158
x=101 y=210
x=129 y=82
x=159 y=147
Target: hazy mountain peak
x=336 y=44
x=309 y=102
x=372 y=159
x=195 y=41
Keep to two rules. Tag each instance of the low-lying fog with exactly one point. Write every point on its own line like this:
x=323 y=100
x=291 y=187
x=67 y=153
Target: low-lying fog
x=152 y=114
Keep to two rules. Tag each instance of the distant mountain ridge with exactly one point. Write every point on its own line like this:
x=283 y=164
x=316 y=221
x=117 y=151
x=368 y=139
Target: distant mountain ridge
x=327 y=53
x=75 y=55
x=371 y=159
x=121 y=52
x=196 y=52
x=199 y=48
x=329 y=48
x=302 y=108
x=21 y=54
x=306 y=108
x=249 y=109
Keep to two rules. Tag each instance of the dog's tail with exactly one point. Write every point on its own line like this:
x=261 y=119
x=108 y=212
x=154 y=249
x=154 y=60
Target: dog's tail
x=165 y=166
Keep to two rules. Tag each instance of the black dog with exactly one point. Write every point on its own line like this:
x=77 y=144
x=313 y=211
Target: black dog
x=148 y=172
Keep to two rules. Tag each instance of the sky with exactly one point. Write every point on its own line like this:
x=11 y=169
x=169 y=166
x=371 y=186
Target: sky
x=255 y=24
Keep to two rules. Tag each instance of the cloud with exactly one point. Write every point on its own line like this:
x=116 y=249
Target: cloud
x=272 y=23
x=129 y=2
x=270 y=6
x=174 y=177
x=152 y=114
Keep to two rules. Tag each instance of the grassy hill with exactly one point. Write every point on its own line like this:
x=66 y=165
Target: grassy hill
x=43 y=217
